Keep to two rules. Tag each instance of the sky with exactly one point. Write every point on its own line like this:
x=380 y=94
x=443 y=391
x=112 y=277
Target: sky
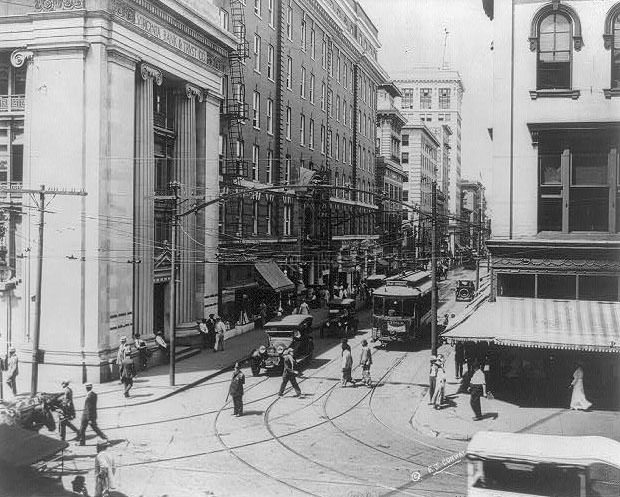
x=412 y=33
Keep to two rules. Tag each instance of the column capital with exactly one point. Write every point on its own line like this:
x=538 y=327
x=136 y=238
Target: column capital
x=148 y=71
x=20 y=56
x=193 y=91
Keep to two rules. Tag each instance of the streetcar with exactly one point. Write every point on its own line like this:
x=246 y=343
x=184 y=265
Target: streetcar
x=401 y=307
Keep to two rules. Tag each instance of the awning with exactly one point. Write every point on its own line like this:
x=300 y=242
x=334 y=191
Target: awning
x=274 y=276
x=543 y=323
x=24 y=447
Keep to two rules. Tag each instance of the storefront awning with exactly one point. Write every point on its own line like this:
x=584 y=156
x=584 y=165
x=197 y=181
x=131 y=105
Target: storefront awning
x=274 y=276
x=543 y=323
x=23 y=447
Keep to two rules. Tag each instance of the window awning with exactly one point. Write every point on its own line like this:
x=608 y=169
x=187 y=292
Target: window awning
x=543 y=323
x=274 y=276
x=24 y=447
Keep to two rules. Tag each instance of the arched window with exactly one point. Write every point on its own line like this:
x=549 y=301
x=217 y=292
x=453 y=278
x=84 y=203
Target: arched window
x=612 y=42
x=554 y=53
x=553 y=28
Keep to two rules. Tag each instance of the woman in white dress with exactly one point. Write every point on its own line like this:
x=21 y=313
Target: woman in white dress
x=578 y=400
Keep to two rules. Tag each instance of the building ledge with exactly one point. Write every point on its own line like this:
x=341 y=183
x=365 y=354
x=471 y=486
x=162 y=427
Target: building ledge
x=579 y=239
x=611 y=92
x=573 y=94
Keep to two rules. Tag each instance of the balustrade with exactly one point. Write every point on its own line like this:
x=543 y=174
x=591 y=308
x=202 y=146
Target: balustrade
x=12 y=103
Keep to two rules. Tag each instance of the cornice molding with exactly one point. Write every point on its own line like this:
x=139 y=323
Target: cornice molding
x=56 y=5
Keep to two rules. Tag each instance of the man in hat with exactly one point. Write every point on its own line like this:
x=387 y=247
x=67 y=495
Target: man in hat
x=89 y=415
x=236 y=390
x=127 y=375
x=201 y=325
x=12 y=371
x=67 y=412
x=432 y=378
x=105 y=468
x=289 y=373
x=121 y=355
x=162 y=345
x=211 y=330
x=220 y=328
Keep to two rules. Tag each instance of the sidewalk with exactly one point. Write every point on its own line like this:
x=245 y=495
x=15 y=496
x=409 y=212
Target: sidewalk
x=455 y=421
x=154 y=383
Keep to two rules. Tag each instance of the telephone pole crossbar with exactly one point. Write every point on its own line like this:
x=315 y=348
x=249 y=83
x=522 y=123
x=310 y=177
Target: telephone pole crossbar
x=41 y=192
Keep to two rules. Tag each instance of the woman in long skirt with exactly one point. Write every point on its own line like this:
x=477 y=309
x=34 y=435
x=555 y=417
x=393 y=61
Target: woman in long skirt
x=578 y=400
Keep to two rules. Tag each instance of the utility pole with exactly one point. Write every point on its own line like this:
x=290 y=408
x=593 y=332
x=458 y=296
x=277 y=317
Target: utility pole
x=174 y=185
x=479 y=250
x=434 y=293
x=36 y=333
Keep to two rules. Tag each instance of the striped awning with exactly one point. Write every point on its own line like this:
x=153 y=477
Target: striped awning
x=543 y=323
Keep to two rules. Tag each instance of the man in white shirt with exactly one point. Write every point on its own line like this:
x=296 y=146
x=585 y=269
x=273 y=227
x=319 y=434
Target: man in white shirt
x=477 y=388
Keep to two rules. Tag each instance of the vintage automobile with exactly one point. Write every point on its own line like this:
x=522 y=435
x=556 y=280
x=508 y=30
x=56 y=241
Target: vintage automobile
x=342 y=318
x=465 y=290
x=293 y=331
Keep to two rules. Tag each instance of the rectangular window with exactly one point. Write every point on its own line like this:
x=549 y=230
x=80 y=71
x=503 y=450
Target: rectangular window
x=257 y=7
x=404 y=158
x=255 y=154
x=269 y=216
x=311 y=135
x=330 y=102
x=515 y=285
x=255 y=217
x=426 y=98
x=287 y=220
x=270 y=116
x=338 y=68
x=344 y=149
x=324 y=53
x=337 y=147
x=602 y=288
x=350 y=152
x=256 y=110
x=302 y=86
x=312 y=44
x=556 y=286
x=405 y=140
x=288 y=123
x=444 y=98
x=224 y=20
x=311 y=88
x=407 y=100
x=330 y=144
x=289 y=23
x=303 y=33
x=344 y=112
x=271 y=13
x=302 y=130
x=257 y=53
x=287 y=169
x=269 y=171
x=323 y=90
x=338 y=108
x=270 y=59
x=345 y=82
x=323 y=139
x=289 y=73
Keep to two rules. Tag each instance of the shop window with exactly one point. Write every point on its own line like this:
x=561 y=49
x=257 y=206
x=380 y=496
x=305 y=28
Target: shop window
x=603 y=288
x=516 y=285
x=556 y=286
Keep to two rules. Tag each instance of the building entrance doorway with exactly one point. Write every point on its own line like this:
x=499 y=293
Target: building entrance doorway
x=160 y=305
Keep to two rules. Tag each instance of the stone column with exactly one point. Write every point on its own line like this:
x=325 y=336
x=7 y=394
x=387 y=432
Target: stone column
x=144 y=201
x=185 y=174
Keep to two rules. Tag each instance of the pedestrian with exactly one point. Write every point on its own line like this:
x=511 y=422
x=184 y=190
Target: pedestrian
x=326 y=296
x=12 y=370
x=304 y=308
x=220 y=328
x=162 y=345
x=459 y=359
x=289 y=373
x=477 y=388
x=127 y=376
x=347 y=365
x=432 y=377
x=78 y=486
x=204 y=333
x=366 y=362
x=236 y=390
x=105 y=468
x=143 y=352
x=89 y=415
x=440 y=385
x=121 y=355
x=578 y=400
x=67 y=411
x=211 y=330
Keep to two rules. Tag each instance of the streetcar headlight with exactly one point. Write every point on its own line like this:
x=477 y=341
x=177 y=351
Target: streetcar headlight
x=280 y=349
x=262 y=349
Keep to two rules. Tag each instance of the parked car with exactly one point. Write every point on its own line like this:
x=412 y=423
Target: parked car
x=342 y=318
x=465 y=290
x=293 y=331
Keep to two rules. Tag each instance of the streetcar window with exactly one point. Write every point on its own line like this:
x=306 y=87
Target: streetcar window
x=377 y=306
x=394 y=307
x=408 y=308
x=603 y=480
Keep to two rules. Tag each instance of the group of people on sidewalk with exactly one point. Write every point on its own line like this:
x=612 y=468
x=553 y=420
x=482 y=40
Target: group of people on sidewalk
x=212 y=332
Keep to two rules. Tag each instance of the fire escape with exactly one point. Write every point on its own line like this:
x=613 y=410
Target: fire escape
x=234 y=166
